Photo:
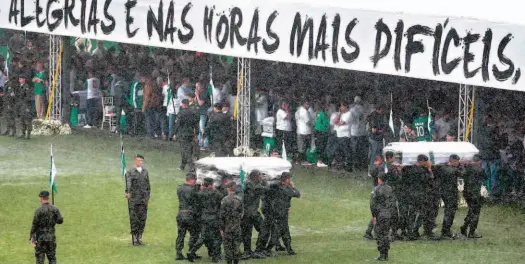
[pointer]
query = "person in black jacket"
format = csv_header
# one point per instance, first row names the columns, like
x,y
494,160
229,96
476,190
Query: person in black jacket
x,y
254,188
43,230
448,188
218,130
186,131
415,180
187,218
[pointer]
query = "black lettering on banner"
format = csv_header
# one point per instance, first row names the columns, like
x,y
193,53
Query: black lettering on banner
x,y
300,30
516,76
469,56
208,22
83,16
185,38
235,25
129,19
56,14
381,29
223,23
13,12
487,42
506,74
156,22
336,24
438,35
39,10
352,56
253,37
400,28
68,13
107,29
170,29
25,20
448,67
271,48
320,44
93,20
412,46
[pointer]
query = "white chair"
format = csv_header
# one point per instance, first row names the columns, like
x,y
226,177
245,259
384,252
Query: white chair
x,y
108,114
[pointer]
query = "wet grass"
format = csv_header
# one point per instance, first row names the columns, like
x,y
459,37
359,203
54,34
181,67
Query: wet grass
x,y
327,223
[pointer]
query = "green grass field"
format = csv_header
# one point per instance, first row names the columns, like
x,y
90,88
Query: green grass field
x,y
327,222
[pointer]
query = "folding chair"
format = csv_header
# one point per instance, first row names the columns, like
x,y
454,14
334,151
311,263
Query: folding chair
x,y
108,114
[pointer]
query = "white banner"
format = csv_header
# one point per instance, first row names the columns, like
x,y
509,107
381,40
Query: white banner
x,y
438,48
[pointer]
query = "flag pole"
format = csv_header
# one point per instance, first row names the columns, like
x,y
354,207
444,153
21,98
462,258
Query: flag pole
x,y
125,183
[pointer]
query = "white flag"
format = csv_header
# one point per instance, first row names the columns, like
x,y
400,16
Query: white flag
x,y
283,154
391,120
53,172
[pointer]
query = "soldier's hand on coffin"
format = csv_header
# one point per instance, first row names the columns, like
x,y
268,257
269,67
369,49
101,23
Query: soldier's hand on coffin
x,y
374,220
127,196
222,234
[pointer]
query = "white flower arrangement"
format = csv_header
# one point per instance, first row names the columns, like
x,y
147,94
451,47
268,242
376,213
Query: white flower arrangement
x,y
50,127
243,150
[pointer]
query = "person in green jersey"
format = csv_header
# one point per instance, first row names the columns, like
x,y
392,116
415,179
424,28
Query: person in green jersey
x,y
423,127
321,133
40,81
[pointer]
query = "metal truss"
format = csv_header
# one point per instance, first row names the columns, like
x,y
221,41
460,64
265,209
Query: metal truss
x,y
243,114
55,54
466,108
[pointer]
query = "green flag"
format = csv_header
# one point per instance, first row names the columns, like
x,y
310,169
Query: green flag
x,y
52,173
122,157
243,174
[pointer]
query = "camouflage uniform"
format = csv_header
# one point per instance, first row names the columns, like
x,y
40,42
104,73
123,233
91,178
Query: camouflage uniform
x,y
230,223
138,189
10,110
43,232
382,205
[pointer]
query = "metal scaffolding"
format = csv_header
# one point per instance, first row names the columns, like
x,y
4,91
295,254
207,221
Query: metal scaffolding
x,y
467,98
55,53
243,99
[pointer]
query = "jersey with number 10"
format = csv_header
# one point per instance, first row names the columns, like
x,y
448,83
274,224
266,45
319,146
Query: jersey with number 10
x,y
421,128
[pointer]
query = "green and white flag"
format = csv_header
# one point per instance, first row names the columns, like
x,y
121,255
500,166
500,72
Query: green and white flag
x,y
243,175
391,120
210,89
122,158
53,172
283,152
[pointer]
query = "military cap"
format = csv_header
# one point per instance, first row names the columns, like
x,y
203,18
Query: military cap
x,y
139,156
217,105
44,194
285,176
208,181
421,158
185,101
191,175
228,176
476,158
454,157
25,74
231,185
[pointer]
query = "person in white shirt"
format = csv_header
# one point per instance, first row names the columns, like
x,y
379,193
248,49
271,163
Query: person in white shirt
x,y
261,109
304,119
172,106
443,126
185,90
342,129
93,100
358,134
283,127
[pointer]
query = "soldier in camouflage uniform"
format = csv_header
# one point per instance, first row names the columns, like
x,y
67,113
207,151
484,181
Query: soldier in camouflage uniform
x,y
10,99
209,204
230,224
474,178
282,203
382,205
187,218
137,193
254,188
43,230
25,97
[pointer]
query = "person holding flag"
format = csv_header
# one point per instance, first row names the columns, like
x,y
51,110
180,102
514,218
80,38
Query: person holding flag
x,y
42,234
138,194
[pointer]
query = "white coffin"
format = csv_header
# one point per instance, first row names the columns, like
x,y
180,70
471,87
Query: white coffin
x,y
439,152
270,166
